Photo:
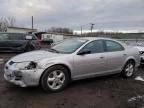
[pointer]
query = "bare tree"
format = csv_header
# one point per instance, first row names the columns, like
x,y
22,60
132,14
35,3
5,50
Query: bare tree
x,y
6,22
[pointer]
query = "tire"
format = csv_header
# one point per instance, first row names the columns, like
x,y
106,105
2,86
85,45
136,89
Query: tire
x,y
55,79
128,70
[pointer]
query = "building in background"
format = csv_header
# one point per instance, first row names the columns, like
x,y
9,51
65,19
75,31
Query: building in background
x,y
20,30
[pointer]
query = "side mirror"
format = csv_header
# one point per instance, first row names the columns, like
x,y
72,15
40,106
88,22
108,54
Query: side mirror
x,y
83,52
28,37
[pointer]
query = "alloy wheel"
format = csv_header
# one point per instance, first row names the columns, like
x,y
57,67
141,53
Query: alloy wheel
x,y
56,79
129,69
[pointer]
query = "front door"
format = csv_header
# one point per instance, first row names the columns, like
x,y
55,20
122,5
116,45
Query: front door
x,y
90,64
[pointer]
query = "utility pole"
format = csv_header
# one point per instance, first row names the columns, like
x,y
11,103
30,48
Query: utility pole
x,y
32,23
81,30
92,26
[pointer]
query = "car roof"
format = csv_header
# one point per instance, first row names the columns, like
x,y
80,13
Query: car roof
x,y
11,33
102,38
15,33
95,38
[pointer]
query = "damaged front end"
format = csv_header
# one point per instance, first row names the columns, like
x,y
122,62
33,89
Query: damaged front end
x,y
23,73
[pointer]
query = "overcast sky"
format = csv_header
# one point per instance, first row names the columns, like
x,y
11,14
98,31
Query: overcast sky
x,y
106,14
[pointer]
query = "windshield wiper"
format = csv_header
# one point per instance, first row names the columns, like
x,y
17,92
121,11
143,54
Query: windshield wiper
x,y
53,50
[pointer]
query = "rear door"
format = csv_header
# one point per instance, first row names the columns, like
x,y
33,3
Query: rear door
x,y
17,41
115,54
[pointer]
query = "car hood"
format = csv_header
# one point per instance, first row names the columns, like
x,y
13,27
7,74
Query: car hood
x,y
34,56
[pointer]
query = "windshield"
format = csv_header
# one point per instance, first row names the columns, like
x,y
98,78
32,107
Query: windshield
x,y
68,46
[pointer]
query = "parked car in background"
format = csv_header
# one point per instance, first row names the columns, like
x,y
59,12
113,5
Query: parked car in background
x,y
72,59
140,47
18,42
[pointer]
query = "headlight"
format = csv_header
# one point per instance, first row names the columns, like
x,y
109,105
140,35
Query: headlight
x,y
26,65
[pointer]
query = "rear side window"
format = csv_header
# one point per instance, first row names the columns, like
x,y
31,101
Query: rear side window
x,y
4,36
12,36
16,36
112,46
95,46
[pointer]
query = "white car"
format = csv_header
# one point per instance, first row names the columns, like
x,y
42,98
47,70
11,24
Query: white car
x,y
72,59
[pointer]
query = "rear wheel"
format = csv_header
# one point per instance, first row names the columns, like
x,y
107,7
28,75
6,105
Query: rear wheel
x,y
129,69
55,79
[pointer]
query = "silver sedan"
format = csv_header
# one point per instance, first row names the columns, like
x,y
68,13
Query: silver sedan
x,y
69,60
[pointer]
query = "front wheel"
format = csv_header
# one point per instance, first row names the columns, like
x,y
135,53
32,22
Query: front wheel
x,y
55,79
129,69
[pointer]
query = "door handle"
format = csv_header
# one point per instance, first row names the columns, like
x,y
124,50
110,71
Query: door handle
x,y
125,54
101,57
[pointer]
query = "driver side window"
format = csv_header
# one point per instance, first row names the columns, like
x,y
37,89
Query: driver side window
x,y
95,46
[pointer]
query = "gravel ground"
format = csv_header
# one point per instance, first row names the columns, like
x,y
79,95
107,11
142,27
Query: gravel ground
x,y
101,92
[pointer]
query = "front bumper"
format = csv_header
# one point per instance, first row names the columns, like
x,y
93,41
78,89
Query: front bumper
x,y
22,78
12,80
